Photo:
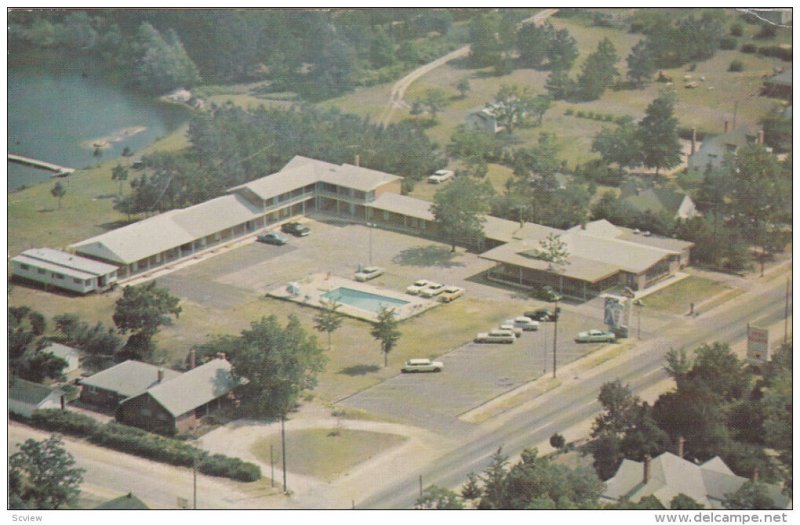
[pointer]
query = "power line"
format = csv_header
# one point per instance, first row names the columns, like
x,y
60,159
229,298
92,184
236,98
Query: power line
x,y
755,14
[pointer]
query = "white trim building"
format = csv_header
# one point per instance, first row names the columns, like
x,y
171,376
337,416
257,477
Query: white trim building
x,y
63,270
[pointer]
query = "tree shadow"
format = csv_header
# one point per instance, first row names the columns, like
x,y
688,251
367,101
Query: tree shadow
x,y
359,370
46,210
427,256
114,225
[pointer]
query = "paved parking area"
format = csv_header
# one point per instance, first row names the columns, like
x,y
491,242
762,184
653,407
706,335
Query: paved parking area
x,y
473,374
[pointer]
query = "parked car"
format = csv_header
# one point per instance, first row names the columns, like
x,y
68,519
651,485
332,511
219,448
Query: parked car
x,y
451,293
273,238
511,328
417,287
296,229
595,336
441,176
543,314
525,323
432,290
496,336
422,365
367,273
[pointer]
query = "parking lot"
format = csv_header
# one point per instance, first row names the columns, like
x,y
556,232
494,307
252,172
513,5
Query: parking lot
x,y
237,281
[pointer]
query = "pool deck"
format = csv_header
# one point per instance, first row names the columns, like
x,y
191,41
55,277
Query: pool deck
x,y
314,286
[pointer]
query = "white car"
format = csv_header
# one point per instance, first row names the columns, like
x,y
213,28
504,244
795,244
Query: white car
x,y
511,328
422,365
496,336
370,272
417,287
451,293
432,290
526,323
441,176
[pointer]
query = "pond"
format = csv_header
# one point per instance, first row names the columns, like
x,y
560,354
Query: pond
x,y
72,115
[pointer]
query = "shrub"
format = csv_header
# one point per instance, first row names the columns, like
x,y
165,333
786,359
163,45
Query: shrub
x,y
767,31
783,53
608,118
141,443
737,29
64,421
736,65
727,42
569,111
748,48
234,468
621,119
580,114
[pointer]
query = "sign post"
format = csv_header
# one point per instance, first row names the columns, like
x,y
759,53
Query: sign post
x,y
757,345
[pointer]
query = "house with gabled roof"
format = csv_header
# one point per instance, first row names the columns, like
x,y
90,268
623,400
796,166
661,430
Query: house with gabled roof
x,y
108,388
713,150
672,203
668,475
176,405
25,397
63,270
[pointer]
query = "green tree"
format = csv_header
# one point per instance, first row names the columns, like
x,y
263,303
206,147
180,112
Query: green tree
x,y
485,47
381,53
752,495
493,480
717,367
439,498
532,44
557,441
619,405
619,146
562,51
58,191
142,310
279,364
329,319
559,85
471,489
599,71
606,449
435,100
386,331
463,87
554,250
460,210
540,105
333,71
120,174
42,476
684,502
641,65
659,133
163,64
512,106
777,130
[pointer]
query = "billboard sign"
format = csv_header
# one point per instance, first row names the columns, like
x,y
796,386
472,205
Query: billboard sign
x,y
757,345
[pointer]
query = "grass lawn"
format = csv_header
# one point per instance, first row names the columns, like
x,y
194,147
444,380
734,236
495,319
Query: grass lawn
x,y
325,453
678,297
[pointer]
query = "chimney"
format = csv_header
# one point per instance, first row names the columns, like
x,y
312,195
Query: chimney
x,y
192,358
726,125
755,474
63,403
646,473
681,442
160,375
694,140
761,137
358,159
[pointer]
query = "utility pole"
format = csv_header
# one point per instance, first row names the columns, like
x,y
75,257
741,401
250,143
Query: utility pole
x,y
544,350
271,467
420,485
786,311
555,331
194,482
370,226
283,449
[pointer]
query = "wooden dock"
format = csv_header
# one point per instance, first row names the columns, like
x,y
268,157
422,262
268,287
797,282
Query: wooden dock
x,y
55,168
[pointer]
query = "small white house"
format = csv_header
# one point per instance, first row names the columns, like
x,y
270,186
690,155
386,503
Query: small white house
x,y
64,270
25,397
483,120
68,354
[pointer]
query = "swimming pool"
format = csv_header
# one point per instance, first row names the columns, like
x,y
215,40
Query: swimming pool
x,y
363,300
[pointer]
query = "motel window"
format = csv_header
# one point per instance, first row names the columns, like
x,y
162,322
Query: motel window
x,y
42,271
77,281
87,282
58,276
359,195
24,266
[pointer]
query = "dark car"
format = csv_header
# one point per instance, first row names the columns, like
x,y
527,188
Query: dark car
x,y
272,238
543,314
296,229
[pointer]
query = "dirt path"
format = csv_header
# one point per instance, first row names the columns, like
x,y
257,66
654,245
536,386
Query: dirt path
x,y
400,87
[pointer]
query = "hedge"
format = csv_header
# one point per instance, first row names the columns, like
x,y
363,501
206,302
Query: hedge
x,y
136,441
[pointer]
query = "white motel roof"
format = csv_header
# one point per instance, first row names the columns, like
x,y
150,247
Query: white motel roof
x,y
302,171
129,378
64,263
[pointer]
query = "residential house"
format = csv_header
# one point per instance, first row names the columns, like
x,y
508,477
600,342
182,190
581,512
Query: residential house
x,y
68,354
483,119
668,475
107,389
659,201
176,405
25,397
774,15
714,149
127,502
63,270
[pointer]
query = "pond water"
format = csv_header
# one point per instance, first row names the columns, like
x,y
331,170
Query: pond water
x,y
64,114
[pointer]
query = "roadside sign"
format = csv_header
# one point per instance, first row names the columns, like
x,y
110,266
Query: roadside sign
x,y
183,503
757,345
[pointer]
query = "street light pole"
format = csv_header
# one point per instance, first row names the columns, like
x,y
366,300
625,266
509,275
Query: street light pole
x,y
555,332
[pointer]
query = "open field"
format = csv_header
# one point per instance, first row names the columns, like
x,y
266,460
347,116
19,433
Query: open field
x,y
325,453
678,297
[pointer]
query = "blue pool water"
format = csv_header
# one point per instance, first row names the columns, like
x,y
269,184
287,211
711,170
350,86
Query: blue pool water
x,y
363,300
